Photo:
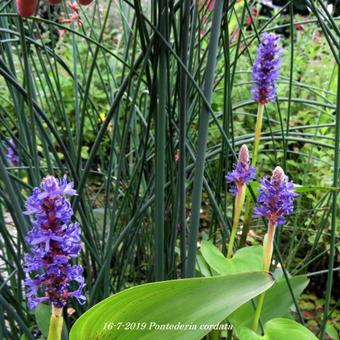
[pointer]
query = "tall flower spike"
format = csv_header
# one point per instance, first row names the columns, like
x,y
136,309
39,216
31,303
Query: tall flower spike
x,y
274,202
276,198
240,176
266,69
242,172
54,241
11,154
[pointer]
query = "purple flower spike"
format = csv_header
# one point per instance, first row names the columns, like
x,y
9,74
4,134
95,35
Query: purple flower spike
x,y
242,173
54,241
276,198
12,155
266,69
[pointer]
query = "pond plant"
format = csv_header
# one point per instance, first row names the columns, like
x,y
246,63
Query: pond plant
x,y
133,139
53,242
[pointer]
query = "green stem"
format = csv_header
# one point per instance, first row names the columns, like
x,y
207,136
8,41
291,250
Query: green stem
x,y
247,216
239,200
258,312
214,335
268,244
267,257
257,138
56,324
160,149
182,103
202,138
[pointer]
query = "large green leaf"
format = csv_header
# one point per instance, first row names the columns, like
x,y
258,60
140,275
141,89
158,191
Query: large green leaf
x,y
278,329
278,298
277,302
196,302
244,260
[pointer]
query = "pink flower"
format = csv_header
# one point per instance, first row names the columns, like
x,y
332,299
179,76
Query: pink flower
x,y
211,4
72,17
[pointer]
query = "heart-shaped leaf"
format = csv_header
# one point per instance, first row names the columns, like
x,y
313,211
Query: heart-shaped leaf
x,y
277,329
245,260
136,312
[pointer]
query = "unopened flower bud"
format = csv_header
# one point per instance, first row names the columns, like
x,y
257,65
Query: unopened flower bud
x,y
278,176
243,155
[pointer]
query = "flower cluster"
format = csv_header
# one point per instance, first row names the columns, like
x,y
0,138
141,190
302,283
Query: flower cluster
x,y
242,172
276,198
11,154
266,69
74,16
27,8
54,241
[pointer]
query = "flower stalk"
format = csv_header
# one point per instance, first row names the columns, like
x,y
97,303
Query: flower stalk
x,y
56,324
239,201
240,176
257,135
268,243
274,202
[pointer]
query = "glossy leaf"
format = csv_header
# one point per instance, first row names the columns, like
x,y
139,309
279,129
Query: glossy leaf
x,y
278,298
202,266
277,329
198,301
244,260
332,332
277,302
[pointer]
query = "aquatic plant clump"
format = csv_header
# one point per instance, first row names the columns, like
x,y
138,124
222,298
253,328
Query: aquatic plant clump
x,y
266,69
54,241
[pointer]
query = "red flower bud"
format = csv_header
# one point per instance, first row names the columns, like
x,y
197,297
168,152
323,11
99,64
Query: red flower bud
x,y
26,8
85,2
